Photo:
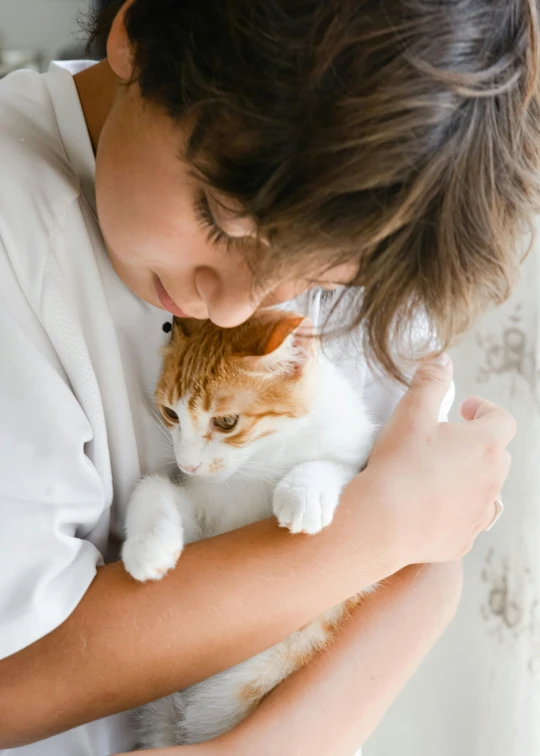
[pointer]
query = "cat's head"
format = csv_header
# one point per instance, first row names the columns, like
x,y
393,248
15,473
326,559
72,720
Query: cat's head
x,y
224,393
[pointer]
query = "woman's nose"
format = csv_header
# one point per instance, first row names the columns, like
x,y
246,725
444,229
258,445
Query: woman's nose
x,y
229,301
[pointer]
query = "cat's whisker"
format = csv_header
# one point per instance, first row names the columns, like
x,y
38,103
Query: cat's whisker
x,y
259,474
258,468
159,422
255,466
254,476
257,463
170,458
150,403
262,469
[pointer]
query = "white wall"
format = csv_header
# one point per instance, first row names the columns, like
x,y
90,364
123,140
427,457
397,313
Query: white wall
x,y
46,25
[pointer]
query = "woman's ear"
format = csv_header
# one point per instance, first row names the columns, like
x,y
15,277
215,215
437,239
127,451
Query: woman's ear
x,y
119,48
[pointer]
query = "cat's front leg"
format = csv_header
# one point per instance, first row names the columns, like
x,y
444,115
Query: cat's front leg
x,y
307,497
159,520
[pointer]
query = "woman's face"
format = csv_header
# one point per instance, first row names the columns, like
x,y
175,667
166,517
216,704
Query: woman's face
x,y
158,224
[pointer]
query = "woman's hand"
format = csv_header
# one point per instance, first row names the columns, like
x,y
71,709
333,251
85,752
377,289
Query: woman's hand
x,y
438,481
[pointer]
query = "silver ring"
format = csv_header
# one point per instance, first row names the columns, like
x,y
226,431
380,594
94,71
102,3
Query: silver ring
x,y
499,509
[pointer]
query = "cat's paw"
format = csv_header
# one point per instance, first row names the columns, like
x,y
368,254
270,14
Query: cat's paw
x,y
306,499
154,529
152,555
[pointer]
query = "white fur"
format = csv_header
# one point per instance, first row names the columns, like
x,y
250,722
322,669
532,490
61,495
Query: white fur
x,y
297,473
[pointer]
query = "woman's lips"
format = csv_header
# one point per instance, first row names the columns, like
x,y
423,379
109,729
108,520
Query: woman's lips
x,y
166,301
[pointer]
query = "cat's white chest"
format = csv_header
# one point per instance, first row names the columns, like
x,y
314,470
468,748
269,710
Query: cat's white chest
x,y
231,504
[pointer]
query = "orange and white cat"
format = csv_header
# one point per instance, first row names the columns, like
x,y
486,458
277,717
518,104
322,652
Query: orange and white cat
x,y
262,423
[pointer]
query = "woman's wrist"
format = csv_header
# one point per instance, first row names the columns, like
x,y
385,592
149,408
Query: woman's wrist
x,y
376,524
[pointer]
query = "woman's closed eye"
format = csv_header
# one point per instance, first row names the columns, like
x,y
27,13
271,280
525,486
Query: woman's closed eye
x,y
216,235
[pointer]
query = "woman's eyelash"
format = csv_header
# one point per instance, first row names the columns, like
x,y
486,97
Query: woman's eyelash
x,y
215,234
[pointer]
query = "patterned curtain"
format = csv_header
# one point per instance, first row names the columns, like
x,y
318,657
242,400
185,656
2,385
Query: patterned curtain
x,y
478,693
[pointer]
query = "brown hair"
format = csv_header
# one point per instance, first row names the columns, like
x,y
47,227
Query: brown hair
x,y
399,134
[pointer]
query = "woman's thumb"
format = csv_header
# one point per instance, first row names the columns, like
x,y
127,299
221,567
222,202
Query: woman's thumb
x,y
428,387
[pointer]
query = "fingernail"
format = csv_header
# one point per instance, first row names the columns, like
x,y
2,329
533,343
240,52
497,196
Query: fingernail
x,y
442,359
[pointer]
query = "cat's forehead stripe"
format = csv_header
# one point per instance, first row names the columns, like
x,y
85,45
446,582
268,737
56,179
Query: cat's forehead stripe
x,y
253,428
223,405
270,413
248,436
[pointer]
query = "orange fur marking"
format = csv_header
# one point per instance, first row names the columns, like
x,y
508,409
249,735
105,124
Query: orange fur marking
x,y
252,694
295,656
348,606
216,465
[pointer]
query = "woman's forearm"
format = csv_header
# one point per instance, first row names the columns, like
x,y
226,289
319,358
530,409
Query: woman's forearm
x,y
332,706
227,599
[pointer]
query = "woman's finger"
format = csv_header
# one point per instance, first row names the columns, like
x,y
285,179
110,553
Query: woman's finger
x,y
493,420
428,388
471,405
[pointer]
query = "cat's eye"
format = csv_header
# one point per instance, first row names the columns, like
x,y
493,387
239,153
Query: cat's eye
x,y
171,414
226,423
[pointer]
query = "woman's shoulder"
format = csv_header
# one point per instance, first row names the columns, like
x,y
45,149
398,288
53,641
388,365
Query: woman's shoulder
x,y
31,144
37,182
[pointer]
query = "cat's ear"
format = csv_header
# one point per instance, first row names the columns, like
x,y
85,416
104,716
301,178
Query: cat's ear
x,y
286,347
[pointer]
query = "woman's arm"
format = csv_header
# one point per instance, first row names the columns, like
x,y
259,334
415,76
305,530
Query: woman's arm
x,y
228,598
425,495
332,706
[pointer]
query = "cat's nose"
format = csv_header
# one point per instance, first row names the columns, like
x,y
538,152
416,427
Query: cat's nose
x,y
188,469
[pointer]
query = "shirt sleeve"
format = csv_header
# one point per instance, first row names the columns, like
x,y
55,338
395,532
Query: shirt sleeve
x,y
52,501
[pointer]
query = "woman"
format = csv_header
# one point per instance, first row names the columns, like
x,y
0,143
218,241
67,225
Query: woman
x,y
224,157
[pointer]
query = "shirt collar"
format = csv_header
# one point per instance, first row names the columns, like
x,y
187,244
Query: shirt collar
x,y
72,124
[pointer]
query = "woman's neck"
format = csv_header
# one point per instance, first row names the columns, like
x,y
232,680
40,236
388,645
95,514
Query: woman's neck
x,y
97,87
